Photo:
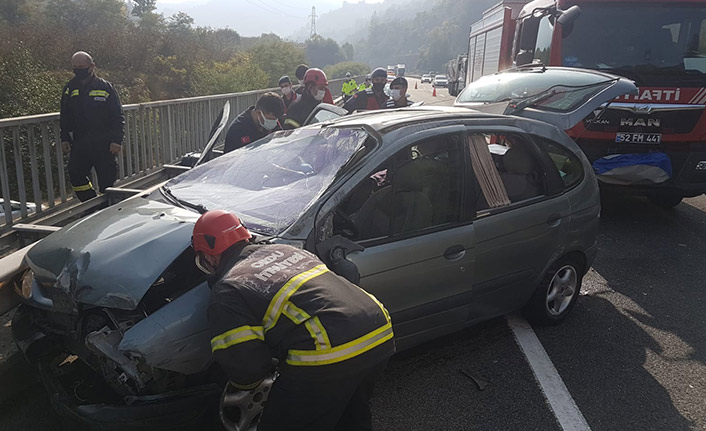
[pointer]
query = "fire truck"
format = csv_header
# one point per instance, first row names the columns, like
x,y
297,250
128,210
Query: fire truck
x,y
652,143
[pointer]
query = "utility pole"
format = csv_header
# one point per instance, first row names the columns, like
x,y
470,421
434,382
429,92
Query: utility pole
x,y
313,22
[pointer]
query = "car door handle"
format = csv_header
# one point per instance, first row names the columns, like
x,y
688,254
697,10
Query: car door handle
x,y
554,220
455,252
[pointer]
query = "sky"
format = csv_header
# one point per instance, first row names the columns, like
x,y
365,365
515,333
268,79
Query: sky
x,y
252,17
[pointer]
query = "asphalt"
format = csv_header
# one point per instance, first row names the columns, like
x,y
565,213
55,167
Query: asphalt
x,y
632,354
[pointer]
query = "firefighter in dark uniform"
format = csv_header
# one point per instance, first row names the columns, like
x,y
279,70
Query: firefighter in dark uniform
x,y
371,98
300,72
255,122
315,88
332,339
398,94
91,127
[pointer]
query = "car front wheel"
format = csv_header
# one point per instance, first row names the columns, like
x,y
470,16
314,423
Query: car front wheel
x,y
556,295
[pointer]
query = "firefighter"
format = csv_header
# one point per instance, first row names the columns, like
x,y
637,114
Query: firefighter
x,y
300,73
330,338
372,98
366,84
315,88
288,94
255,122
349,87
92,124
398,94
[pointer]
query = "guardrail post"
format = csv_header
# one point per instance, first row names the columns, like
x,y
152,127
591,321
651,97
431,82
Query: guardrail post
x,y
37,194
4,179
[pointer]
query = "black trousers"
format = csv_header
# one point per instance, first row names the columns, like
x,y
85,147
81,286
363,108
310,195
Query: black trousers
x,y
84,157
341,403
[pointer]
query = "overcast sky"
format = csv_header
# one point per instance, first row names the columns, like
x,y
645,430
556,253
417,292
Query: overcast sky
x,y
253,17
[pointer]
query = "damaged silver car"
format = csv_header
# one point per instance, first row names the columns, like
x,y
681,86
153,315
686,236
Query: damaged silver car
x,y
447,215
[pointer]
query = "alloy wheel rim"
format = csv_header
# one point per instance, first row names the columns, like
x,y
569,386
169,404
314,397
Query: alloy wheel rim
x,y
562,289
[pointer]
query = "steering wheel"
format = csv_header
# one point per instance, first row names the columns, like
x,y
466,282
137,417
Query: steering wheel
x,y
350,230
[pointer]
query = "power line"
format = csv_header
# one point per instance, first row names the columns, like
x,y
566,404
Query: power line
x,y
286,13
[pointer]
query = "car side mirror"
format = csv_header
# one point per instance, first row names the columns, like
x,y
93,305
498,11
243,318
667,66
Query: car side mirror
x,y
568,16
333,253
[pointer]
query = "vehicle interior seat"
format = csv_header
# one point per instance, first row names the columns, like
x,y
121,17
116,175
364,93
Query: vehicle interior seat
x,y
520,175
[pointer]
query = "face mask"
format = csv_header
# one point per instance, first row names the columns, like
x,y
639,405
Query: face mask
x,y
82,73
266,123
396,94
320,95
286,90
378,87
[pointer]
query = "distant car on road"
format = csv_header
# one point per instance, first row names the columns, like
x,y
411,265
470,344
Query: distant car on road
x,y
440,81
426,78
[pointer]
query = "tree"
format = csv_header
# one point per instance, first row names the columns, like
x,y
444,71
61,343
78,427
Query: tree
x,y
348,51
238,74
339,70
141,7
180,22
321,52
277,58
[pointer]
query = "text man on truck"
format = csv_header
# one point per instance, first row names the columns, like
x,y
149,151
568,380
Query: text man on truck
x,y
652,143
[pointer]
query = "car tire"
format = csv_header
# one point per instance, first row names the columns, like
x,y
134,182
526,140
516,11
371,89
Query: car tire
x,y
665,201
557,293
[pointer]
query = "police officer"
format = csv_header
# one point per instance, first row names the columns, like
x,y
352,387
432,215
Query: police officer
x,y
398,94
366,84
91,127
315,88
255,122
300,72
372,98
288,94
350,87
331,338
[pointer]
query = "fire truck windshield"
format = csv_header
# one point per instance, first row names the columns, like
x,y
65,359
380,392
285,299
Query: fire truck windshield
x,y
645,41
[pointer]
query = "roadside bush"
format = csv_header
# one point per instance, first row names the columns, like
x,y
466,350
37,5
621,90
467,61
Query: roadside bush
x,y
237,74
339,70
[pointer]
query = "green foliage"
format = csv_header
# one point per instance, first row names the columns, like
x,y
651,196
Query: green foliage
x,y
339,70
277,58
348,51
142,7
322,52
238,74
26,88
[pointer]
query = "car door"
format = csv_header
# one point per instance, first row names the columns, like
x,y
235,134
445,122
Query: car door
x,y
410,217
520,219
560,96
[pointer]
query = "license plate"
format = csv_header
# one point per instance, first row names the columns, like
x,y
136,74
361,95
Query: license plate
x,y
638,138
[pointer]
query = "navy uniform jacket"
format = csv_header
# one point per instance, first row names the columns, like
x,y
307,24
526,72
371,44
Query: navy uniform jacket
x,y
91,114
243,131
278,301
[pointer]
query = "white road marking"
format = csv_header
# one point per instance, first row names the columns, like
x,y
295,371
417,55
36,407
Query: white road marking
x,y
554,389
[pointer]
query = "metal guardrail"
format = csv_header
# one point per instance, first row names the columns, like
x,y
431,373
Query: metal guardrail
x,y
33,167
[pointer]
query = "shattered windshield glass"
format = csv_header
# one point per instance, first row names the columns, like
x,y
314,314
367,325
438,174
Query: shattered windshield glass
x,y
271,182
565,90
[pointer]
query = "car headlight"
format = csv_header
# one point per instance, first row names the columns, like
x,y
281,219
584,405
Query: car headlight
x,y
25,288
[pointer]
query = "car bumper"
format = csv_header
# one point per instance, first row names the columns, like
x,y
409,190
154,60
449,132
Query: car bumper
x,y
182,409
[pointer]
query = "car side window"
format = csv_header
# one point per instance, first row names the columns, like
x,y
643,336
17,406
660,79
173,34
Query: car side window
x,y
506,169
418,188
568,165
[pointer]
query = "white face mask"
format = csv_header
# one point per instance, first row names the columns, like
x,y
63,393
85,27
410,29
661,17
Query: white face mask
x,y
286,90
396,94
266,123
320,95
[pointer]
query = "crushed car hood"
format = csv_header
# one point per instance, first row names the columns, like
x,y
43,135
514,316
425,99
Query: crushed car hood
x,y
112,257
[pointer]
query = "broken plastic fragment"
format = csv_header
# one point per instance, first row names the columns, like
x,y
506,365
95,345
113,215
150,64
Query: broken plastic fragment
x,y
477,380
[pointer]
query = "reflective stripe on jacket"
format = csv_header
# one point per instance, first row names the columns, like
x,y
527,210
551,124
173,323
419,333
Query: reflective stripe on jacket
x,y
283,302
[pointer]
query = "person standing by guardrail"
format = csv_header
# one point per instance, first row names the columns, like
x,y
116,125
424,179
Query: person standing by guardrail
x,y
92,124
371,98
288,95
315,88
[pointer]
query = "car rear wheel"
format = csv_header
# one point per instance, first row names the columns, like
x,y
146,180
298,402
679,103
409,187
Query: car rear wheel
x,y
557,294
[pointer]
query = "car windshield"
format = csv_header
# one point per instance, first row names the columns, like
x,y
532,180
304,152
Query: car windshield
x,y
565,90
643,41
440,77
271,182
